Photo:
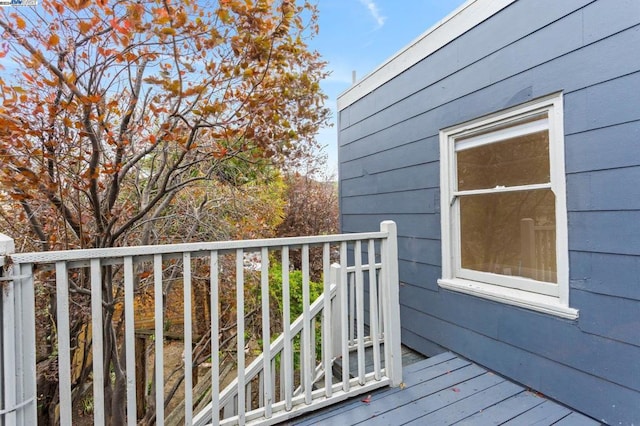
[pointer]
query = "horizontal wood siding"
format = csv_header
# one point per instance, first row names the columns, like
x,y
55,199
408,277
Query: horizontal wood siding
x,y
389,169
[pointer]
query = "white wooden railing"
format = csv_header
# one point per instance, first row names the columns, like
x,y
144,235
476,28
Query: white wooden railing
x,y
294,374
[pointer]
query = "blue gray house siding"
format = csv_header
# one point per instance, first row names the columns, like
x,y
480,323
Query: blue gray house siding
x,y
389,169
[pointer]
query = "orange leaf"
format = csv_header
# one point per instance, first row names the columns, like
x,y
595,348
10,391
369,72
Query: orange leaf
x,y
93,98
20,23
152,139
84,26
54,40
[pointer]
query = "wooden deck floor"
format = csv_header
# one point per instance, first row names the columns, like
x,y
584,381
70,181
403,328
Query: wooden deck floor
x,y
445,390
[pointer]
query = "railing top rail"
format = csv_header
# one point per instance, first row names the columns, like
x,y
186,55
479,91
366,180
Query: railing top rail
x,y
220,246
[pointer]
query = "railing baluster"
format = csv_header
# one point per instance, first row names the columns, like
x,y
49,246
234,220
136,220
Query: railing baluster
x,y
248,390
381,273
96,339
286,320
159,336
301,370
359,296
64,342
130,345
327,350
28,414
312,349
19,348
373,309
274,371
265,389
229,409
352,308
344,316
240,333
306,329
261,385
215,348
188,348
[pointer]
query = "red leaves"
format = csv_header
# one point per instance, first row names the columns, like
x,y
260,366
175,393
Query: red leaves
x,y
367,400
456,390
220,153
4,49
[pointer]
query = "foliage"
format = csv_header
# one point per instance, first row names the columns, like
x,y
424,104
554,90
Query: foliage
x,y
137,123
295,302
311,209
295,290
151,96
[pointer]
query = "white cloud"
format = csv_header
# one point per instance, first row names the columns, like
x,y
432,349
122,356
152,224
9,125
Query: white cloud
x,y
374,11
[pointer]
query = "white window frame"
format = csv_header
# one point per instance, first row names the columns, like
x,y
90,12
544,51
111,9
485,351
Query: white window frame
x,y
518,291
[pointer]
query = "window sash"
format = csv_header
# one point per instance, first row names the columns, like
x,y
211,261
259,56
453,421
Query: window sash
x,y
510,281
503,134
461,137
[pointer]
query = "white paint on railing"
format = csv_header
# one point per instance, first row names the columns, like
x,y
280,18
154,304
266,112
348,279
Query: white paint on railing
x,y
159,337
327,339
359,298
130,339
391,304
266,384
352,306
240,334
196,249
373,308
28,321
64,343
286,321
188,338
344,317
215,342
97,343
340,311
306,346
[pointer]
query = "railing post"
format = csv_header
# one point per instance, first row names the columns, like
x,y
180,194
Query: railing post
x,y
17,355
391,291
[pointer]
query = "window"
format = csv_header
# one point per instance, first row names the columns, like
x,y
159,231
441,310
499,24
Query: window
x,y
504,218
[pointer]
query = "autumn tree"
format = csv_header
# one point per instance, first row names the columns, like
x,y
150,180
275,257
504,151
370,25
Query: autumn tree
x,y
111,110
311,208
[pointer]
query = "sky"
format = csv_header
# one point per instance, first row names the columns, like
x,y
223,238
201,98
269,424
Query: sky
x,y
359,35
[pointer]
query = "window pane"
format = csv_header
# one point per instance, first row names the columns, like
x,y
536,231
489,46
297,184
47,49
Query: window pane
x,y
517,161
510,233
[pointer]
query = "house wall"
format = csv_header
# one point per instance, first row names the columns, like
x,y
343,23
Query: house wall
x,y
389,169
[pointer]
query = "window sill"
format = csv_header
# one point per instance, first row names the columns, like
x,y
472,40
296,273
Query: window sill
x,y
523,299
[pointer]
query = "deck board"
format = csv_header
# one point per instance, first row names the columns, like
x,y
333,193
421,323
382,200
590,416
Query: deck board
x,y
544,414
576,419
431,403
465,407
444,390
